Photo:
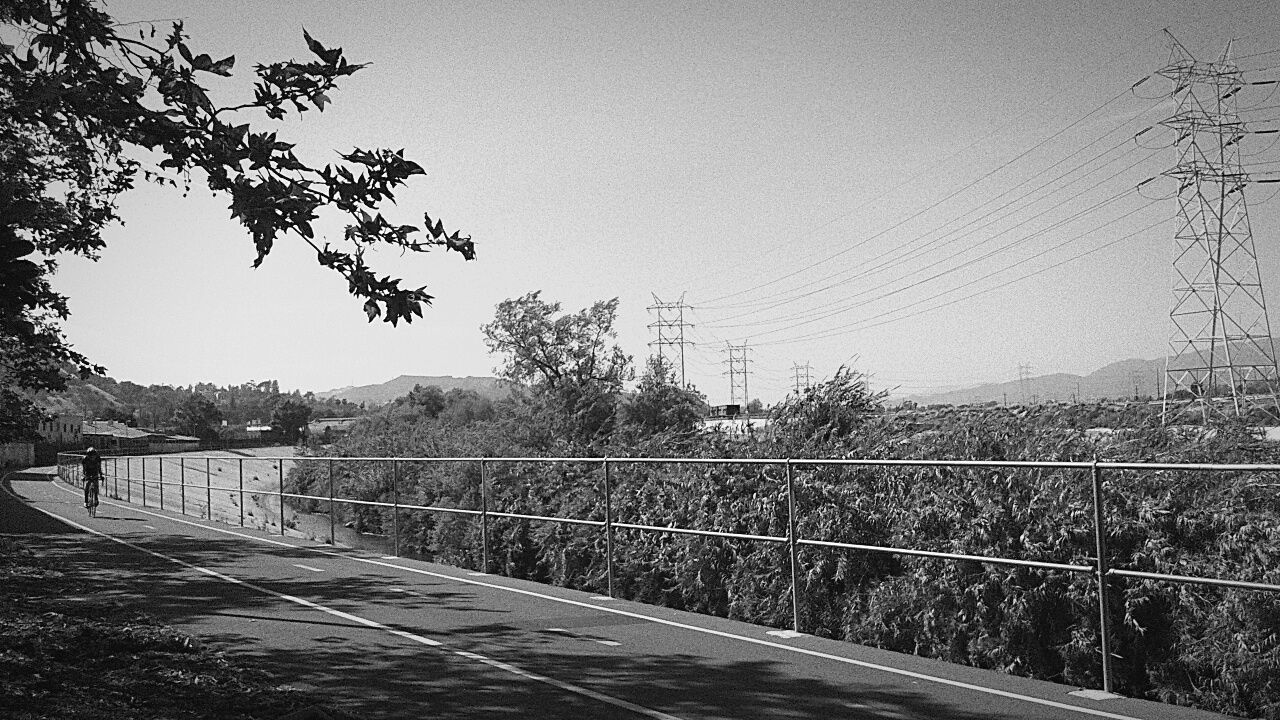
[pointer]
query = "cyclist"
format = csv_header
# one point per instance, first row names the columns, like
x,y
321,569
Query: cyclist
x,y
92,464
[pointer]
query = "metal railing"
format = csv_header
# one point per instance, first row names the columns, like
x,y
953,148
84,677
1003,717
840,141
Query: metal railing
x,y
1100,569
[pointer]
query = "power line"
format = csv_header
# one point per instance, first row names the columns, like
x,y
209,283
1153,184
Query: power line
x,y
862,271
959,254
866,323
962,189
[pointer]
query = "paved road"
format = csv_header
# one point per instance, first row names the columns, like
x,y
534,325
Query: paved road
x,y
391,637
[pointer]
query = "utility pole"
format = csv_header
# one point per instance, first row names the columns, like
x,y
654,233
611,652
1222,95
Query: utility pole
x,y
670,326
1024,378
1221,343
737,362
796,370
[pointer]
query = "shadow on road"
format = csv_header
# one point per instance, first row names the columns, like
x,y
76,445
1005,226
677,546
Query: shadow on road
x,y
371,673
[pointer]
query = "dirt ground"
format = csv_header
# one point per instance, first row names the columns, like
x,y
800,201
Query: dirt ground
x,y
238,486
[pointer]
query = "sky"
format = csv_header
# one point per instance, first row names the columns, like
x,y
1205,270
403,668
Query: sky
x,y
931,192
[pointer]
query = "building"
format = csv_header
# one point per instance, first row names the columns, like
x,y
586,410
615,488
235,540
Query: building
x,y
109,436
63,431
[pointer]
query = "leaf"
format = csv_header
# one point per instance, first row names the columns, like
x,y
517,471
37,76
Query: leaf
x,y
223,66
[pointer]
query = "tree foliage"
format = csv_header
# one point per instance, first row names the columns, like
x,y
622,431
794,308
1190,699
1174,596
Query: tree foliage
x,y
198,416
570,363
82,98
289,419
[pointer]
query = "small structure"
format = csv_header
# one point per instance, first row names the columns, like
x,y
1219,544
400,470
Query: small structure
x,y
725,411
62,431
115,437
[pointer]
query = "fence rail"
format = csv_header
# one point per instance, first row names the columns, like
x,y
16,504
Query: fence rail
x,y
1102,572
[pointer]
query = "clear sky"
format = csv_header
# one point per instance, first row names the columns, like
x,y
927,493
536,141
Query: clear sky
x,y
823,180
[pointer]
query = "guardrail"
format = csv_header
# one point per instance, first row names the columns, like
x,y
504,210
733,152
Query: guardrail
x,y
69,470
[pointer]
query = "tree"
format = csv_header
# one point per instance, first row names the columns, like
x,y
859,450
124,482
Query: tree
x,y
80,96
567,360
198,416
289,419
428,400
660,406
827,412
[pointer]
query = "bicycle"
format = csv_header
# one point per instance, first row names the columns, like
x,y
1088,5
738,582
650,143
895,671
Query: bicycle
x,y
91,496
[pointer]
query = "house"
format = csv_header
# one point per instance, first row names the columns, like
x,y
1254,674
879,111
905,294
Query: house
x,y
62,431
109,436
332,426
173,443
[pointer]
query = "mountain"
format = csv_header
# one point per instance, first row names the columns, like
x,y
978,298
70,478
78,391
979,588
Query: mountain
x,y
489,387
1117,381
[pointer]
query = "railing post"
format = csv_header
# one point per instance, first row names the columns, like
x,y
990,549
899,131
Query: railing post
x,y
144,481
280,466
160,482
182,484
608,525
128,480
115,477
332,529
395,507
241,484
1100,546
791,546
208,489
484,519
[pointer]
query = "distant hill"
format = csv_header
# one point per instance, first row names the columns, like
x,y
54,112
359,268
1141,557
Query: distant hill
x,y
1117,381
489,387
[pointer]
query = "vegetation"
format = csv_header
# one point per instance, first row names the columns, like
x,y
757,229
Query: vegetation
x,y
197,410
1214,648
83,97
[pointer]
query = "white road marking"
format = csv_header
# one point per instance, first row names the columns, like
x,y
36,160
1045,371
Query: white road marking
x,y
507,667
149,527
610,643
307,567
787,634
477,574
390,557
671,623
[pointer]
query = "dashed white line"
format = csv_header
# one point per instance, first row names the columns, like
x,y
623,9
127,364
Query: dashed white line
x,y
307,567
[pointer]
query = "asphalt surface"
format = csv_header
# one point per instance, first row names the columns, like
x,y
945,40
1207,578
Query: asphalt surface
x,y
390,638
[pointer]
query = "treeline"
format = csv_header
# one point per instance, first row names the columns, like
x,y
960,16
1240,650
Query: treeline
x,y
201,409
1214,648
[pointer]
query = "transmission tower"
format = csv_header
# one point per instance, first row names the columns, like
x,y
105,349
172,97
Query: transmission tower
x,y
737,362
801,375
1024,378
670,327
1223,358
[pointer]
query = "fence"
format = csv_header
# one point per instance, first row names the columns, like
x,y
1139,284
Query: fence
x,y
1100,570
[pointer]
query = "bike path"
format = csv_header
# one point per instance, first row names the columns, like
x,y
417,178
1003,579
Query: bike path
x,y
394,637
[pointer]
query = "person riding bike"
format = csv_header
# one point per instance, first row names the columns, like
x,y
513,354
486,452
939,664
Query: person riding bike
x,y
92,464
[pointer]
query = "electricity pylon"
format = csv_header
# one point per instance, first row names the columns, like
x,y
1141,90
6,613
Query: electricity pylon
x,y
737,362
801,375
1223,359
670,326
1024,377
